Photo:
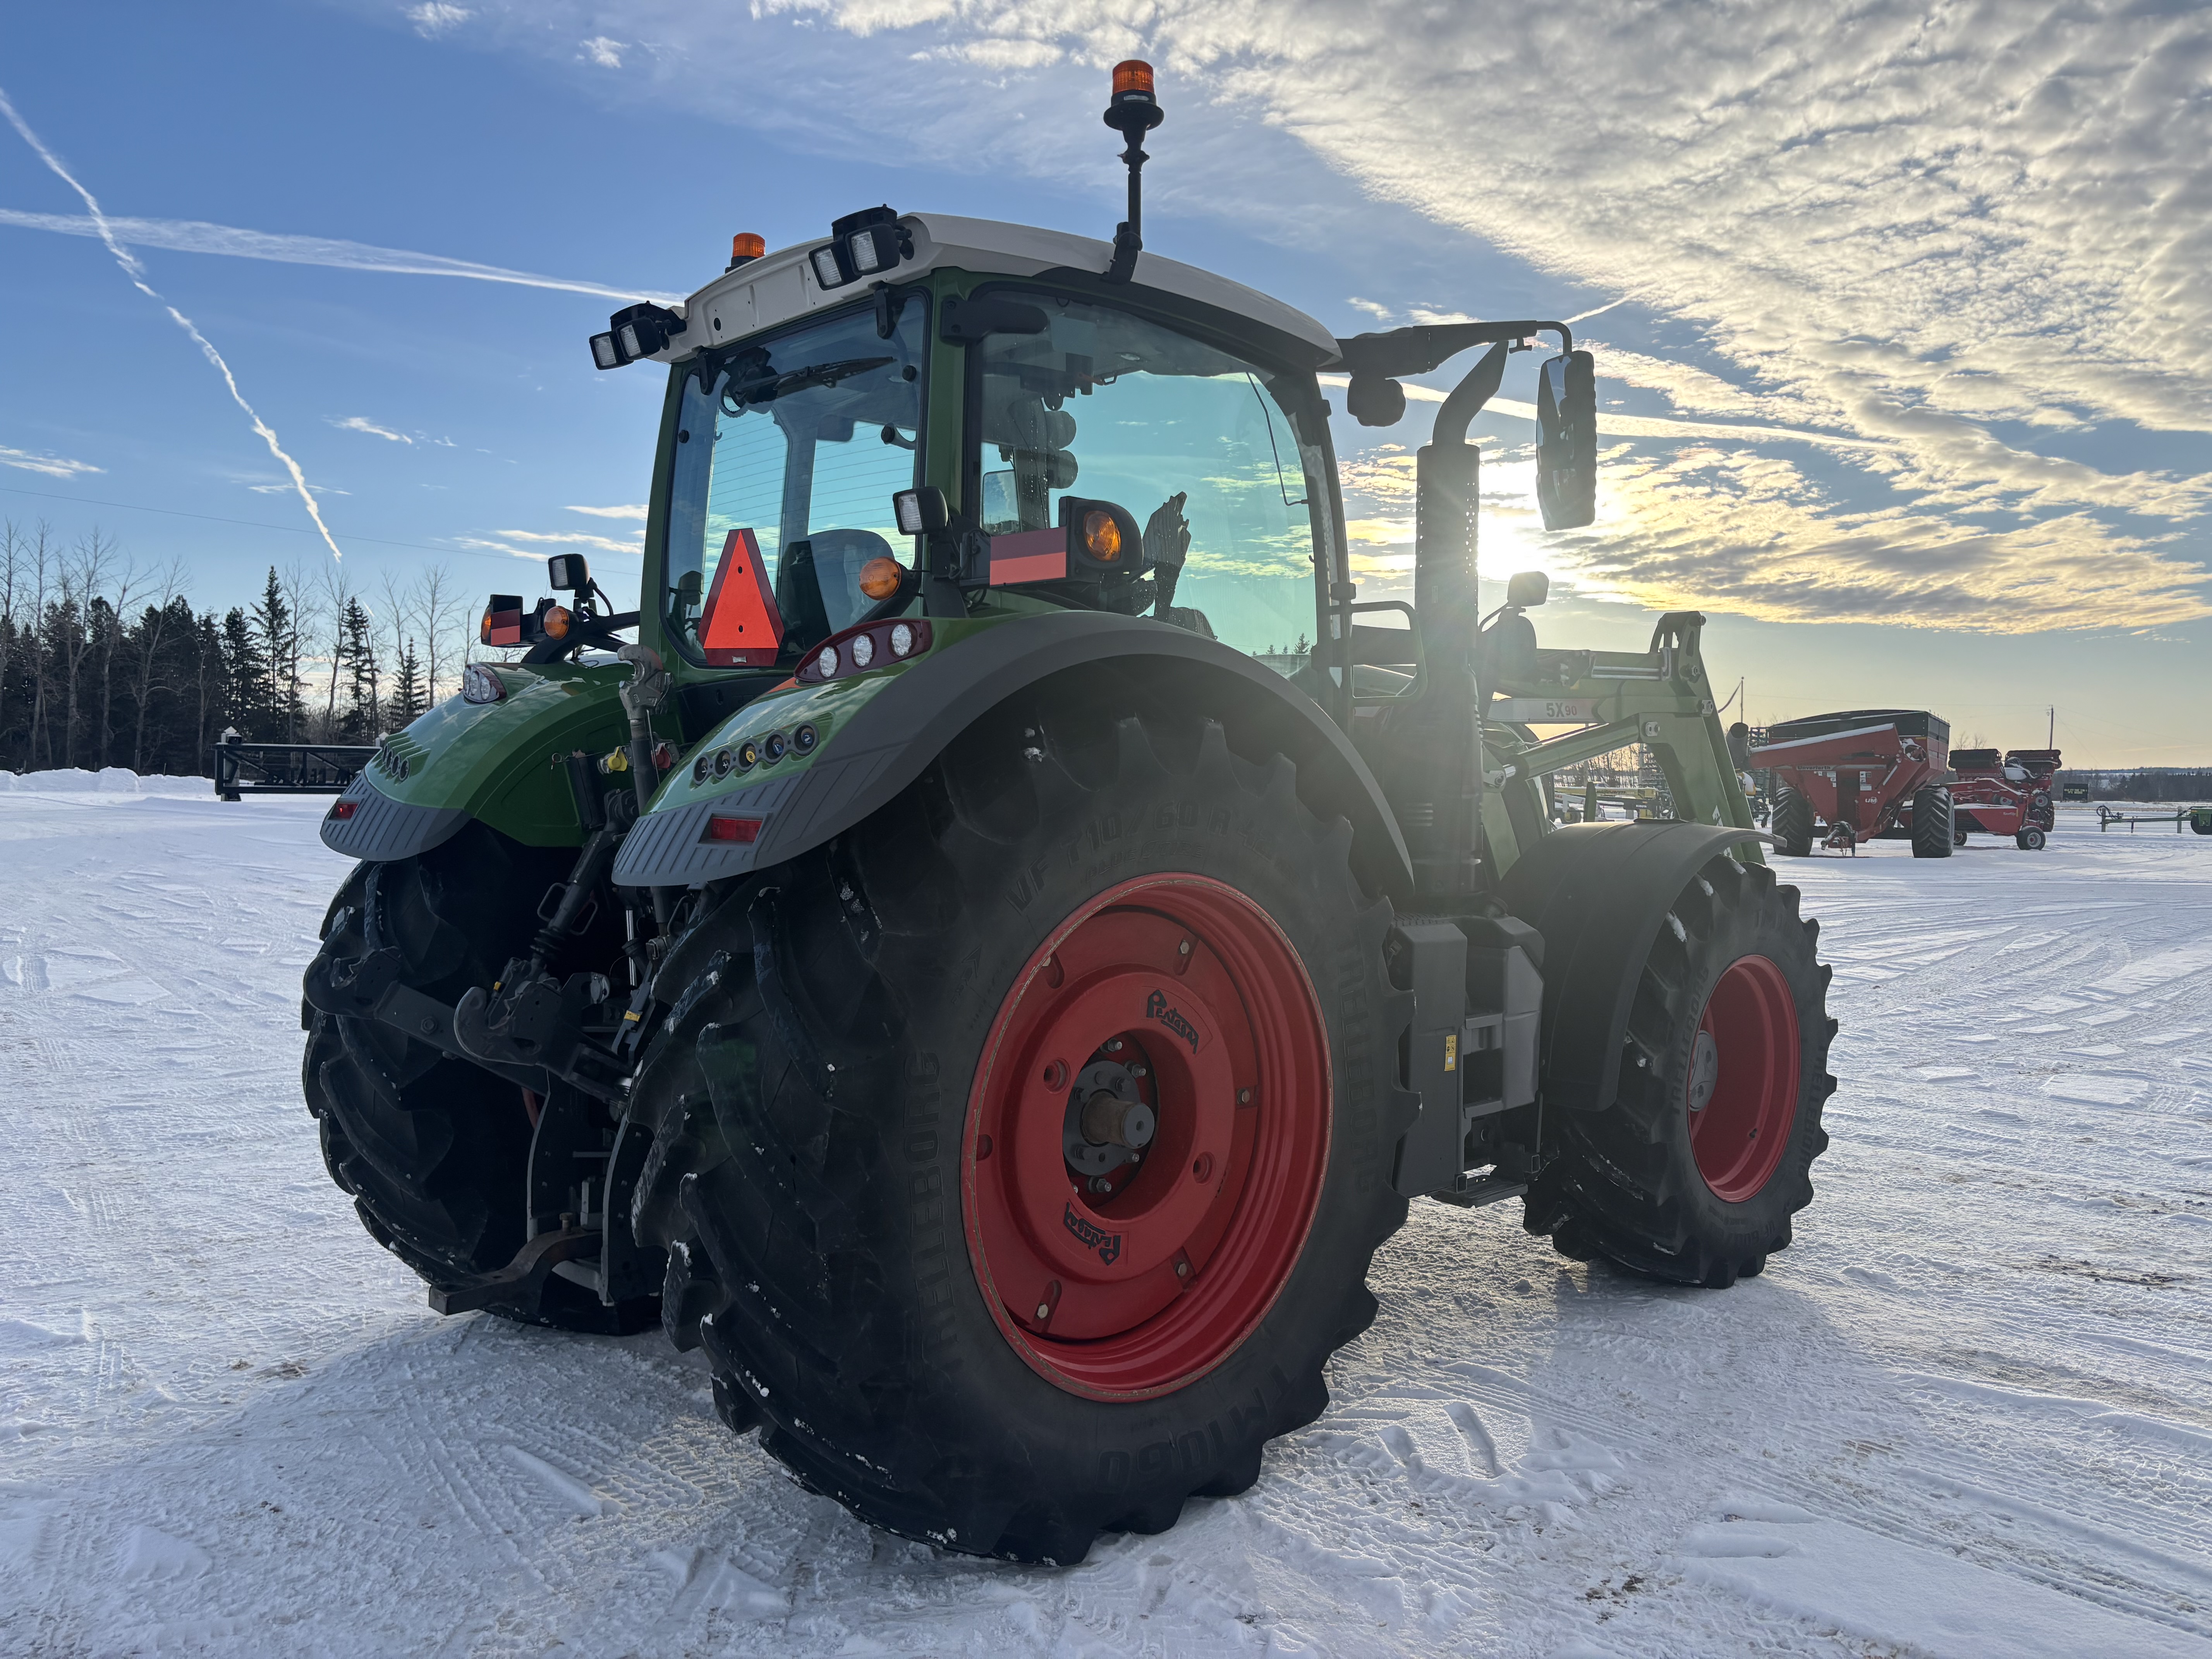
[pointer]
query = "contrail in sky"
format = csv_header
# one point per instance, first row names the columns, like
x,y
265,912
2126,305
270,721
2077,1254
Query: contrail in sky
x,y
198,236
136,273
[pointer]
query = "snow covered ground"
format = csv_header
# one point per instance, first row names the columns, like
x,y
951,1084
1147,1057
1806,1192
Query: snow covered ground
x,y
1970,1413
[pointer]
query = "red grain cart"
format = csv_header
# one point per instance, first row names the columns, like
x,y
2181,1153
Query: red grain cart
x,y
1847,777
2008,796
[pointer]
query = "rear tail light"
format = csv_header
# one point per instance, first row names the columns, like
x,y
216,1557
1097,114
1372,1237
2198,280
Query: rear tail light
x,y
342,810
723,827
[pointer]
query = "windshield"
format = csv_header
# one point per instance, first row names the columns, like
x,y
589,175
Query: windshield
x,y
1192,440
788,450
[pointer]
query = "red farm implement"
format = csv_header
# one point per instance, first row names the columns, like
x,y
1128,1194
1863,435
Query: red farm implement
x,y
1843,778
2009,796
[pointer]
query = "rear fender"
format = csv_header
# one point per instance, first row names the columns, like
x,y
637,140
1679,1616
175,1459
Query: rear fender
x,y
490,760
878,733
1599,893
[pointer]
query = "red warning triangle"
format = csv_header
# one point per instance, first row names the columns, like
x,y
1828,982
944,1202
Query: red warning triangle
x,y
741,623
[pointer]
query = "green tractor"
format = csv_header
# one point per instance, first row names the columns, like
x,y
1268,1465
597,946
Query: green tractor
x,y
958,967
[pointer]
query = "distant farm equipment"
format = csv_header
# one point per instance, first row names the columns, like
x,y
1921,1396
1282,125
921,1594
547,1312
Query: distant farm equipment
x,y
2198,819
243,769
1847,777
2000,796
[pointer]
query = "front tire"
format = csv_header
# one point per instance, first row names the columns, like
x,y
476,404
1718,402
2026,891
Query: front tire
x,y
2029,840
1933,834
880,1230
1694,1171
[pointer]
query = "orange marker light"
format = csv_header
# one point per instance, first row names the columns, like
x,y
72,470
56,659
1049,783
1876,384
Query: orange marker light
x,y
880,578
746,245
555,623
1102,537
1133,76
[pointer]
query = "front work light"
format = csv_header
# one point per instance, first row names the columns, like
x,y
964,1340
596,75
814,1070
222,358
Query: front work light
x,y
860,244
480,685
921,512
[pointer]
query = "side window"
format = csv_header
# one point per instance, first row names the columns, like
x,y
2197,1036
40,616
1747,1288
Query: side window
x,y
1189,439
789,450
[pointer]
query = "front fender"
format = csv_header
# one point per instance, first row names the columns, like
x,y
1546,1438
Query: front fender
x,y
492,761
876,733
1599,894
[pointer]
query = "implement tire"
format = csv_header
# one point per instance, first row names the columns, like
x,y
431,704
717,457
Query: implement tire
x,y
434,1151
1792,823
1932,836
1693,1171
865,1103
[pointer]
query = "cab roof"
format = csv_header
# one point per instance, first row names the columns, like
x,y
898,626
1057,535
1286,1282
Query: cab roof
x,y
781,286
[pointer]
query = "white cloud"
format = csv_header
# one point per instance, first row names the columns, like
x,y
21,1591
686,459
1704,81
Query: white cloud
x,y
606,53
555,538
637,512
196,236
1966,250
54,466
363,424
436,18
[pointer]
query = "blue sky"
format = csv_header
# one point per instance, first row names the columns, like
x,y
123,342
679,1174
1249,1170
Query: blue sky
x,y
1907,352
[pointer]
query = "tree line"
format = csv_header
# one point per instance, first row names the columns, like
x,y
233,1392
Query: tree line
x,y
105,661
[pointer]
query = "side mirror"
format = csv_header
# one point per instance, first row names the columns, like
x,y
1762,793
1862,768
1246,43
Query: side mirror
x,y
568,572
921,512
964,322
1527,589
1566,441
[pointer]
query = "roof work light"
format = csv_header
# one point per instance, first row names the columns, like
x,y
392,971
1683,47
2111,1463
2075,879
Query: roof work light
x,y
863,244
635,331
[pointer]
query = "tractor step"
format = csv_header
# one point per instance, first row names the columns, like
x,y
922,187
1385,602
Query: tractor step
x,y
518,1287
1491,1189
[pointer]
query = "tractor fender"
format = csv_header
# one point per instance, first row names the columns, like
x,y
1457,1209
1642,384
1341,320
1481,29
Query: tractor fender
x,y
1599,893
890,739
490,760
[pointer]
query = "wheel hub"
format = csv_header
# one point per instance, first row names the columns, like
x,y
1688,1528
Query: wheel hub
x,y
1147,1131
1741,1089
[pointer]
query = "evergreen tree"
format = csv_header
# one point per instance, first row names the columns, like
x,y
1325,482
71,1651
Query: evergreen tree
x,y
357,664
244,678
409,695
278,631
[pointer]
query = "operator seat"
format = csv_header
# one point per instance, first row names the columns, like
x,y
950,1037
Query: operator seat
x,y
817,586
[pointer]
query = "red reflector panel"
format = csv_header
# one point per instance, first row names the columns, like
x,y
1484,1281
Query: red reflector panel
x,y
502,620
744,831
740,623
344,809
1029,556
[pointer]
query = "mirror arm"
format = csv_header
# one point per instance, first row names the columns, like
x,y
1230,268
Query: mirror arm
x,y
1468,397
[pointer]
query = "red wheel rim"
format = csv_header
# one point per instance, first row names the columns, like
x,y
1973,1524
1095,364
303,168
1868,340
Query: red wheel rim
x,y
1139,1292
1744,1059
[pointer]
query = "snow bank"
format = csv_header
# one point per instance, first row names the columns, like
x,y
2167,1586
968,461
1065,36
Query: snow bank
x,y
109,780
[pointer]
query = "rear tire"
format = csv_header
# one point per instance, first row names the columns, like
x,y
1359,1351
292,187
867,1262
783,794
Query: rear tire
x,y
1692,1173
823,1173
1793,824
1933,833
435,1151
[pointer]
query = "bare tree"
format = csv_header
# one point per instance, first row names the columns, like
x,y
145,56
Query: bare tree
x,y
302,595
439,607
335,589
15,547
168,583
44,557
110,629
83,574
395,621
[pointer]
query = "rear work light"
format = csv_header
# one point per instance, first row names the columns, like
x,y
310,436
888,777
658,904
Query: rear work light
x,y
480,684
723,827
872,646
